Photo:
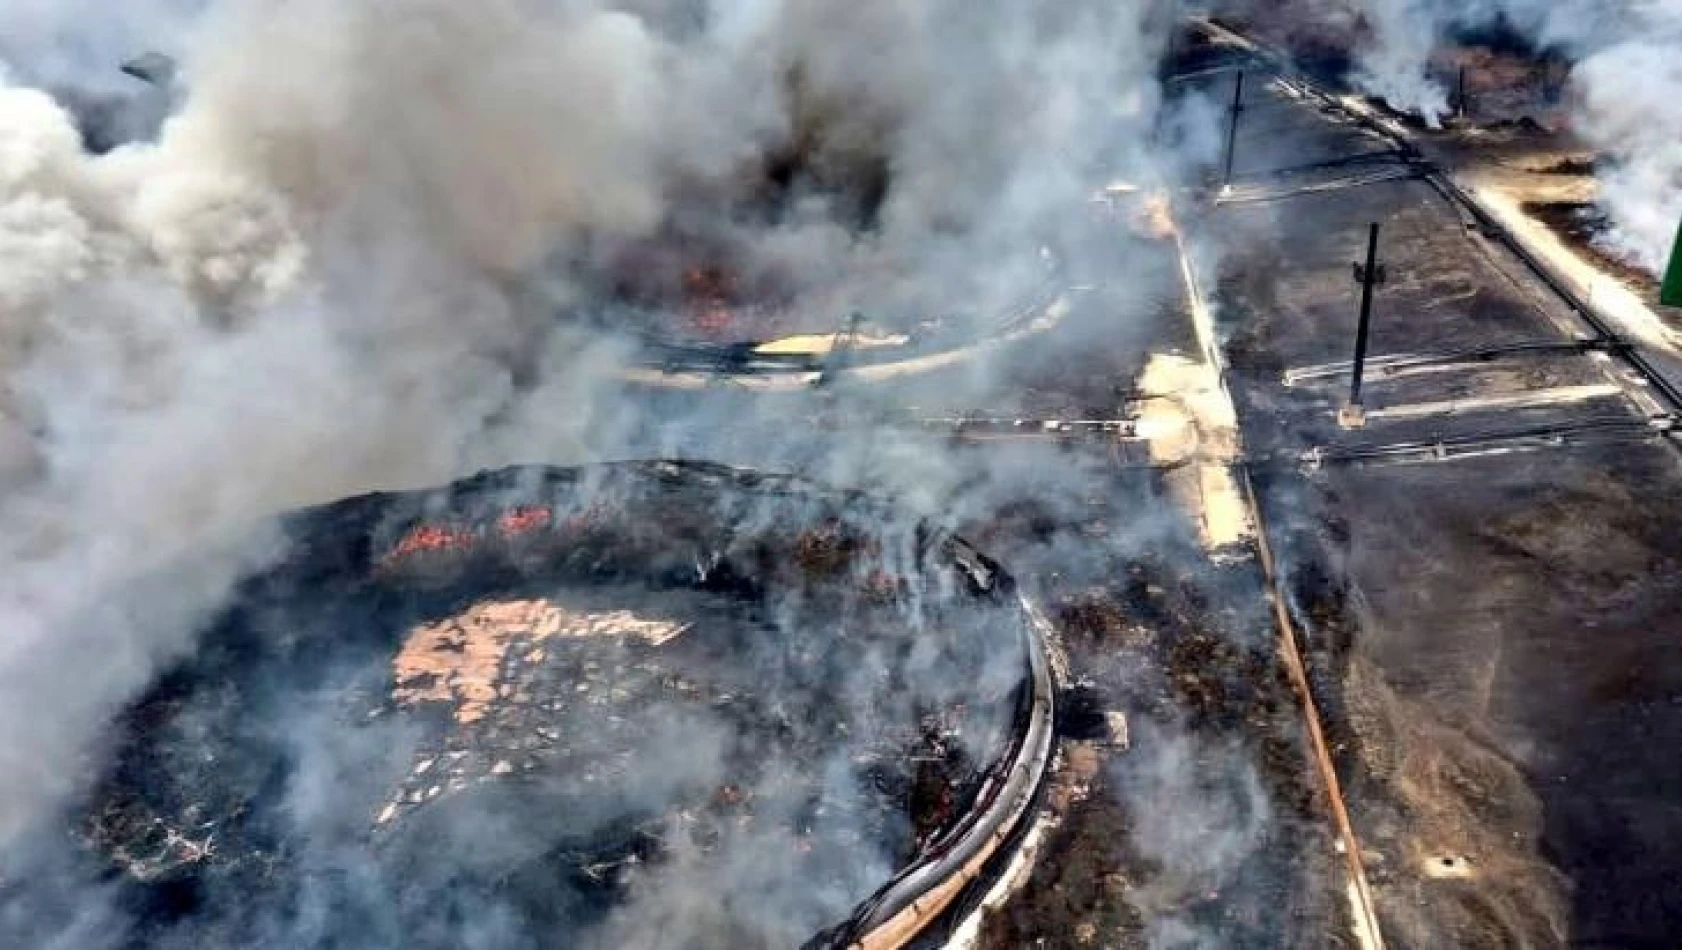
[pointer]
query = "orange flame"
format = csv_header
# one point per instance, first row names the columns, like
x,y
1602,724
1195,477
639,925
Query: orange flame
x,y
428,537
709,292
522,520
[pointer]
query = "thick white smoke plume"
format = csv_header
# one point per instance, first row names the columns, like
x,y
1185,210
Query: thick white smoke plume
x,y
1629,92
1625,77
1393,66
1393,55
274,304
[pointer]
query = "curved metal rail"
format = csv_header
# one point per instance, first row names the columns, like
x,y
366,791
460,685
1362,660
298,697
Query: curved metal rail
x,y
914,899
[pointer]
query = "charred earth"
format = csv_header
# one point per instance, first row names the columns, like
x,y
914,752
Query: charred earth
x,y
512,708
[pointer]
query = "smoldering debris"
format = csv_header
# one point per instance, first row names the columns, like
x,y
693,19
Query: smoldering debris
x,y
1191,835
841,690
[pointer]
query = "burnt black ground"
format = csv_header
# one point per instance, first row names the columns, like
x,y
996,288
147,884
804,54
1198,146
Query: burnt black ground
x,y
1212,824
1494,638
806,710
1210,828
1491,639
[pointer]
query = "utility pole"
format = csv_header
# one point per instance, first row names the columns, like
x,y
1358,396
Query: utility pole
x,y
1552,82
840,350
1368,276
1460,95
1232,126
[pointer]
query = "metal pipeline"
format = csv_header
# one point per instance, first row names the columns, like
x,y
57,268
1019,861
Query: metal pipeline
x,y
919,895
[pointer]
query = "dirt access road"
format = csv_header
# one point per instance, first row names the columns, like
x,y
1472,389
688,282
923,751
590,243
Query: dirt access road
x,y
1493,626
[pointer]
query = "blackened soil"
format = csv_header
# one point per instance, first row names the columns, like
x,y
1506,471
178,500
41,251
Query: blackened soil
x,y
1584,226
1211,720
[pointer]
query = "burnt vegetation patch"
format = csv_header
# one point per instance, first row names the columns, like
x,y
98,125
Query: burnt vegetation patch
x,y
1161,647
526,695
1586,227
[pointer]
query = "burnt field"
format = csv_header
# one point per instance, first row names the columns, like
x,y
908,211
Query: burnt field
x,y
1012,562
1185,805
497,709
704,713
1480,607
1185,808
1584,227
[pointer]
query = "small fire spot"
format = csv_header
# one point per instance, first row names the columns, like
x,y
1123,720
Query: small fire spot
x,y
430,537
523,520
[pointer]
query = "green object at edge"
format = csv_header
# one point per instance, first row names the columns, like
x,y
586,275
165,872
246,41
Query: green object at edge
x,y
1671,294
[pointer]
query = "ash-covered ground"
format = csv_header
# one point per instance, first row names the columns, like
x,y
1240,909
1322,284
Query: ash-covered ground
x,y
496,713
1479,571
442,239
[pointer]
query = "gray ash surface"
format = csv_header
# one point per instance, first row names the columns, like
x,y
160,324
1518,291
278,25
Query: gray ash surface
x,y
497,714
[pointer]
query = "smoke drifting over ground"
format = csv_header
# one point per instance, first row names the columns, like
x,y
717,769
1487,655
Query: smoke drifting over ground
x,y
337,266
1618,88
1628,95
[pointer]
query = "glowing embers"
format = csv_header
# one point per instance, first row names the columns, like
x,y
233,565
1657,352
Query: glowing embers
x,y
706,290
457,539
620,673
701,309
466,660
722,292
714,304
432,537
1148,214
518,521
